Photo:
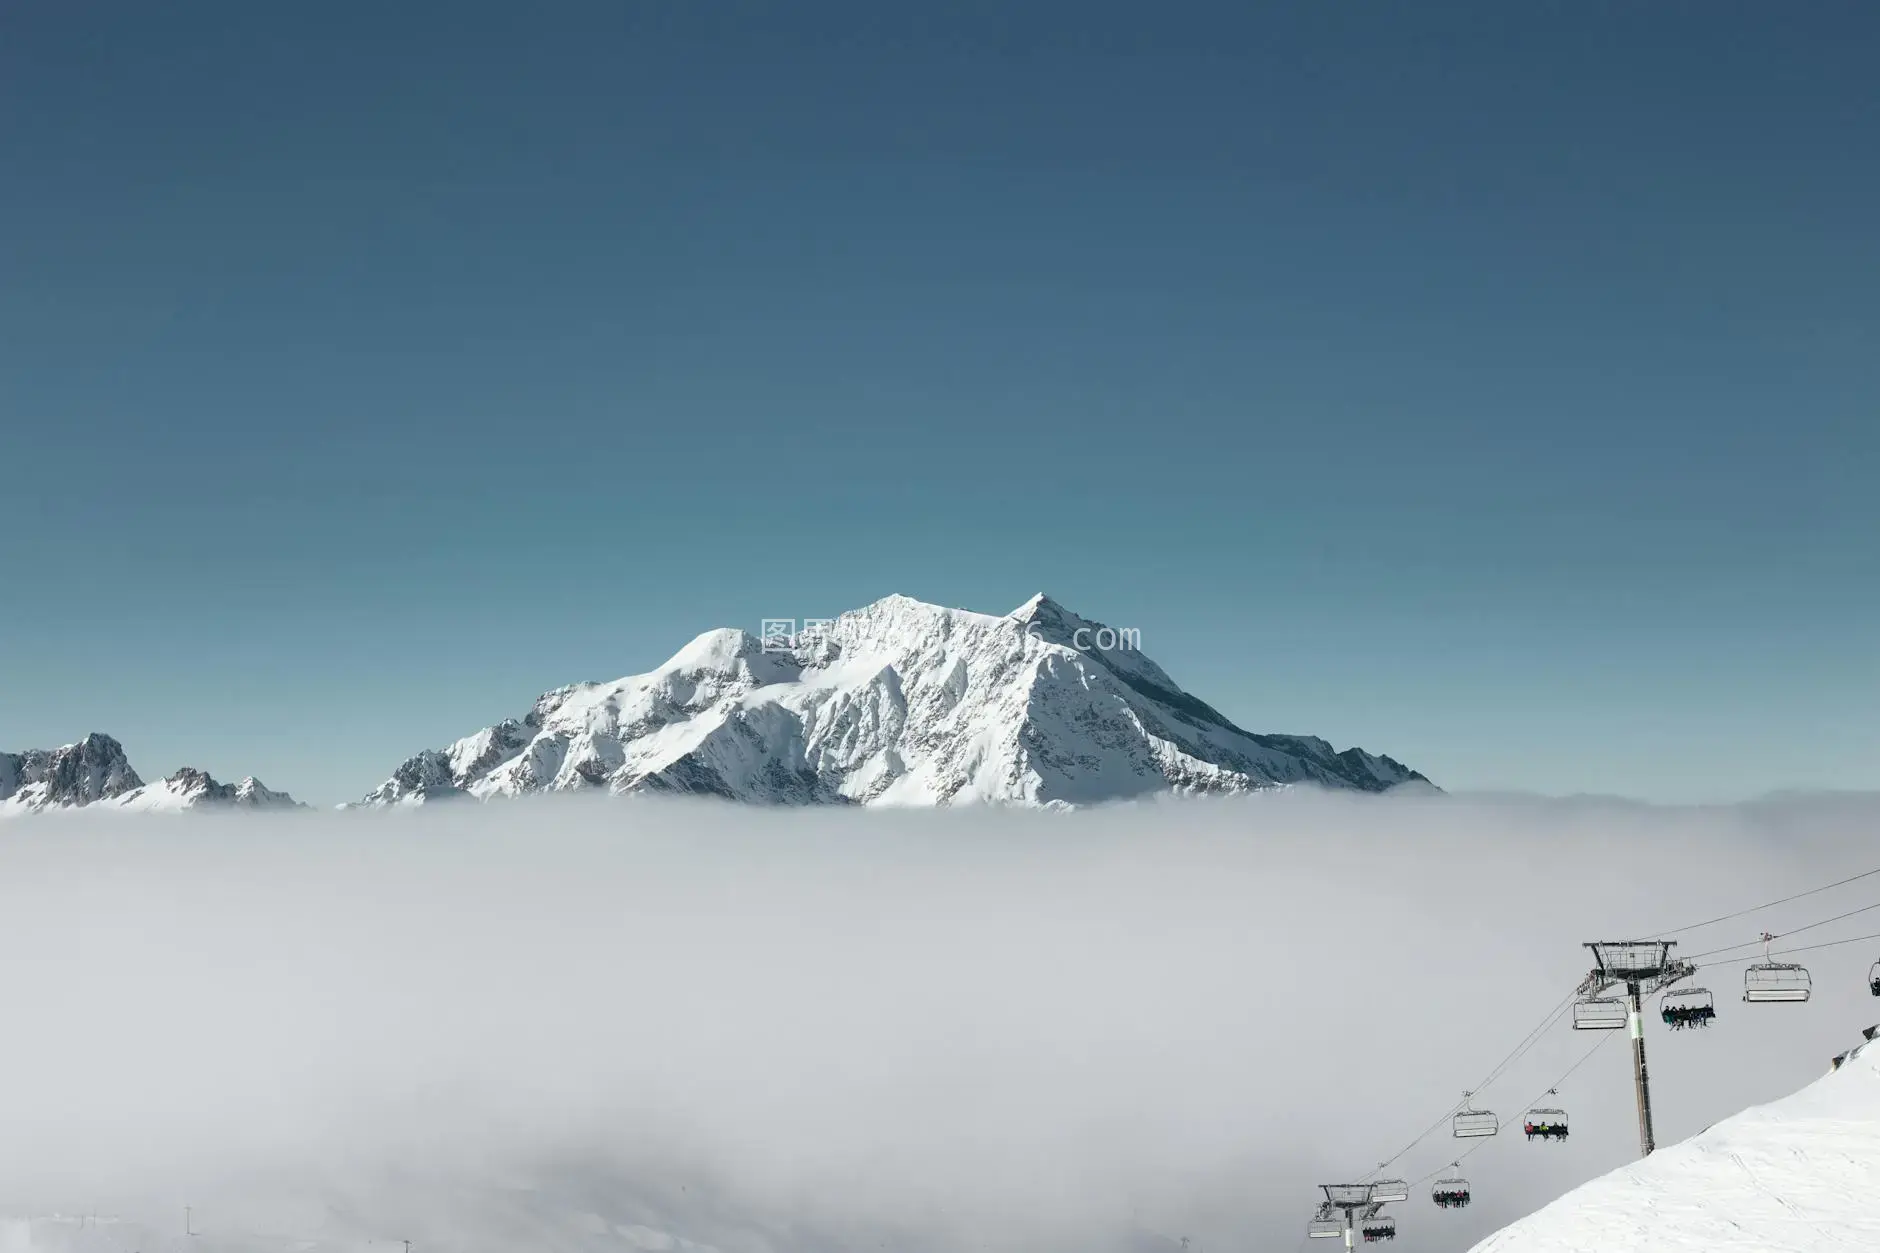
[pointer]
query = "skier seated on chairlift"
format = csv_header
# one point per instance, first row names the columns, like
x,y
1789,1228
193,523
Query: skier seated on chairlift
x,y
1678,1017
1380,1233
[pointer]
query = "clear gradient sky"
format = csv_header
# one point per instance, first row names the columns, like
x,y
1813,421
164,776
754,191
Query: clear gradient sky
x,y
1492,385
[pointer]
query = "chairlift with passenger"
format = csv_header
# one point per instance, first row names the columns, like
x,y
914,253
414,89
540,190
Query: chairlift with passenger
x,y
1379,1228
1687,1007
1873,979
1453,1192
1474,1123
1775,981
1546,1123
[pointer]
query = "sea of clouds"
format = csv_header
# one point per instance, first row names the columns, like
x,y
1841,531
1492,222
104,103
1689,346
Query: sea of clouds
x,y
570,1024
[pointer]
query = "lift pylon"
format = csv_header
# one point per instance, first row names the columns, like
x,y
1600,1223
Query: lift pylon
x,y
1643,967
1356,1202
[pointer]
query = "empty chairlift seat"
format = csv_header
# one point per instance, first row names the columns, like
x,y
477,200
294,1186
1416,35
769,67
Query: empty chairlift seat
x,y
1387,1190
1600,1013
1687,1007
1472,1123
1776,981
1328,1223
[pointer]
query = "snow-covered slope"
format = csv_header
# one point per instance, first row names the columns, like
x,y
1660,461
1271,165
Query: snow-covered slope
x,y
1802,1173
193,789
95,774
899,703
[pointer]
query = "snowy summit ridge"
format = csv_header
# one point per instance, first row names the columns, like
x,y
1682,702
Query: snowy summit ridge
x,y
94,773
897,703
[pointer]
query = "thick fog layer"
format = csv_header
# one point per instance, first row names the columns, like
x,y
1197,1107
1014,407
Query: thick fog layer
x,y
569,1025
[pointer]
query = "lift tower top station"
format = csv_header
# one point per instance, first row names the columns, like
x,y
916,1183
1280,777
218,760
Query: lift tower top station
x,y
1347,1204
1643,966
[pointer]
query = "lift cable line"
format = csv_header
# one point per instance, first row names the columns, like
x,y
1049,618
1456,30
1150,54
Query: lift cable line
x,y
1520,1050
1675,972
1783,935
1784,952
1533,1036
1567,1074
1865,874
1528,1041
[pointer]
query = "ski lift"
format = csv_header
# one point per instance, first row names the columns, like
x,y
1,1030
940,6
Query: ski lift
x,y
1687,1007
1387,1190
1546,1124
1378,1228
1451,1193
1873,979
1324,1225
1473,1123
1600,1013
1775,981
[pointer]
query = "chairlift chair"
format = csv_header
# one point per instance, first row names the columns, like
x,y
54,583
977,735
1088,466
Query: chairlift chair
x,y
1451,1193
1472,1124
1379,1228
1387,1190
1546,1124
1324,1225
1600,1013
1873,979
1775,981
1687,1007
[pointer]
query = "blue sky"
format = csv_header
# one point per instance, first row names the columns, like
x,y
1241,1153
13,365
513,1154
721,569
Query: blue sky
x,y
1494,386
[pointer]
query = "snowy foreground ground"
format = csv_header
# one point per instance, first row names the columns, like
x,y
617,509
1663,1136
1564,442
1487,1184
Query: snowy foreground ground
x,y
1802,1173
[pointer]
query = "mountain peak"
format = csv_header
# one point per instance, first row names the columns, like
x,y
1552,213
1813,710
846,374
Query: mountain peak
x,y
897,702
94,773
72,775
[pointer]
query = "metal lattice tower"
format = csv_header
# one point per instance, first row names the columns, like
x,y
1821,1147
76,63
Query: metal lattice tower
x,y
1643,966
1357,1202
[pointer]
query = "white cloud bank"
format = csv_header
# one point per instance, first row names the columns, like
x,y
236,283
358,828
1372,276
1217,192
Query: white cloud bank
x,y
558,1025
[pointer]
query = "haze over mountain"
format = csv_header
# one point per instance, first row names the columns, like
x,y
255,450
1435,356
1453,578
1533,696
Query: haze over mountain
x,y
896,703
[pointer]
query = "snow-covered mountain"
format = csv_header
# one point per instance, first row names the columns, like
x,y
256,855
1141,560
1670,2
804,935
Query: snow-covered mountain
x,y
95,774
94,769
898,702
189,788
1797,1174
